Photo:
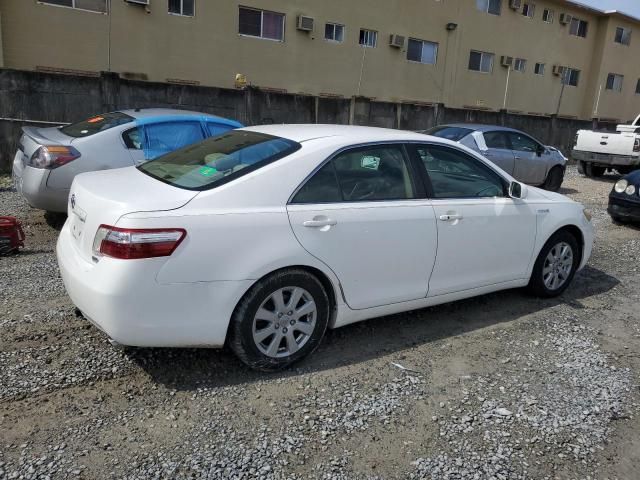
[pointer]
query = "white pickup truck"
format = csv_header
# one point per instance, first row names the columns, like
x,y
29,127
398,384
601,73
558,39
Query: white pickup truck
x,y
597,152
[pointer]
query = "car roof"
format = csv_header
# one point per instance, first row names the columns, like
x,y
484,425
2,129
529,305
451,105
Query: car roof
x,y
481,127
148,114
340,133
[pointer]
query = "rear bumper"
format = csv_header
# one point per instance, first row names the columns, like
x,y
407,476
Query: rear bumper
x,y
31,183
606,159
124,300
619,208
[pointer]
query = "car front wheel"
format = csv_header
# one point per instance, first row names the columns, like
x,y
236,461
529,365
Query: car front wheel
x,y
556,265
280,320
554,179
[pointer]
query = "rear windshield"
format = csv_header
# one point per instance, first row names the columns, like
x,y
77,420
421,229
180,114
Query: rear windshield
x,y
96,124
219,159
450,133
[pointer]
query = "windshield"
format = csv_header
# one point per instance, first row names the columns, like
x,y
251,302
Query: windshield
x,y
219,159
450,133
96,124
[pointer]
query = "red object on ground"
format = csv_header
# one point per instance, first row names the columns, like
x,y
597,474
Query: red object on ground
x,y
11,235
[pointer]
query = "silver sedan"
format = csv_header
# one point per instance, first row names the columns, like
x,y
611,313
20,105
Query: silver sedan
x,y
515,152
48,159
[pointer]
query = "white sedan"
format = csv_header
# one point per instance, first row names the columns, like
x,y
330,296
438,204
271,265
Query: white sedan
x,y
264,237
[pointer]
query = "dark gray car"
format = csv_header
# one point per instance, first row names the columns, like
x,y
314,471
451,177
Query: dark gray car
x,y
515,152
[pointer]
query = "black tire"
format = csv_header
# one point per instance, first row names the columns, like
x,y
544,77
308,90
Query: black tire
x,y
593,171
241,339
620,220
625,170
554,179
581,167
537,285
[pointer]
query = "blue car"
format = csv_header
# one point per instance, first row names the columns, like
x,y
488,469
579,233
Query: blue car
x,y
48,159
624,199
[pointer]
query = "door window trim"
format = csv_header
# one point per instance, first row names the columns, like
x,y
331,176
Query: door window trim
x,y
414,175
413,149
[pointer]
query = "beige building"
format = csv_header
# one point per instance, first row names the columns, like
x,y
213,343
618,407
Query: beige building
x,y
558,57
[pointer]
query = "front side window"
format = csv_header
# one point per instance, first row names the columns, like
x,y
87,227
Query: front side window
x,y
454,174
261,23
422,51
519,64
454,134
623,36
492,7
522,143
497,140
539,69
91,5
96,124
218,160
182,7
614,82
547,16
481,61
368,38
364,174
334,32
578,27
528,10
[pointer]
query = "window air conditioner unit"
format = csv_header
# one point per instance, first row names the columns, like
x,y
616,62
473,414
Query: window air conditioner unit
x,y
138,2
565,18
305,23
515,4
396,41
558,70
506,61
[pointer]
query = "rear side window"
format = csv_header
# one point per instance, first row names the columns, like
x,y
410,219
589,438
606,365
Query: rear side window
x,y
96,124
360,175
162,138
450,133
219,160
497,140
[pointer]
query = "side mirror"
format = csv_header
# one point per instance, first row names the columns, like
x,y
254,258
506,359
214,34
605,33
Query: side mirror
x,y
517,190
540,150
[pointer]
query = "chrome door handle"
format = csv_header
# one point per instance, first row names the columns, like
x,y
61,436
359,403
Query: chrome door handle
x,y
517,157
319,223
450,217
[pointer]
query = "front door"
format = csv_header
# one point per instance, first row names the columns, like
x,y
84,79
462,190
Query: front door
x,y
364,215
484,236
529,166
499,150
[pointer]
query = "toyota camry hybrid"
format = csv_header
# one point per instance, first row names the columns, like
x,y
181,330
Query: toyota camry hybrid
x,y
264,237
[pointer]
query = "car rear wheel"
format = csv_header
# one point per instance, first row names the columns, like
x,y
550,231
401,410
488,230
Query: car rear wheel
x,y
280,320
556,265
554,179
592,171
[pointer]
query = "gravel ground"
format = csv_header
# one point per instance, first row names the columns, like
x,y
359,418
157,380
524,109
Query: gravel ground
x,y
503,386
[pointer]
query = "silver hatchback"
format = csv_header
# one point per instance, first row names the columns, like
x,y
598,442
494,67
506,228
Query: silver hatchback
x,y
48,159
520,155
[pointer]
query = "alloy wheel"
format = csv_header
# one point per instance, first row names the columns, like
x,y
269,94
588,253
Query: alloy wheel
x,y
557,266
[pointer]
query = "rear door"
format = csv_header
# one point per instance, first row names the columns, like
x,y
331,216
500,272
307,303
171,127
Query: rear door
x,y
499,150
529,166
364,215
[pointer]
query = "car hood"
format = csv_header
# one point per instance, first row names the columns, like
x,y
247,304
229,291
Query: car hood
x,y
536,193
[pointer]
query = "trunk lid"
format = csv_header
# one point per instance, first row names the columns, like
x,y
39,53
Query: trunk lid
x,y
34,137
103,197
610,143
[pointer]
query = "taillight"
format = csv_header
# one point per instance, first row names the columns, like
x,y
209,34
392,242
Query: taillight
x,y
136,243
636,145
53,156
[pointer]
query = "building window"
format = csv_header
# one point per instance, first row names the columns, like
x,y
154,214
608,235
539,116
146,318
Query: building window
x,y
422,51
638,87
261,23
570,76
528,10
481,61
614,82
547,16
182,7
578,27
492,7
520,65
334,32
368,38
623,36
539,69
90,5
